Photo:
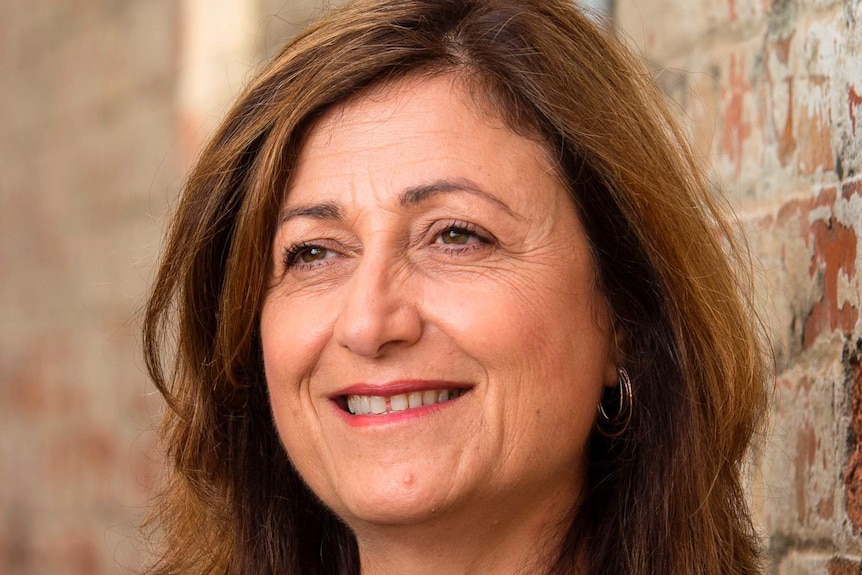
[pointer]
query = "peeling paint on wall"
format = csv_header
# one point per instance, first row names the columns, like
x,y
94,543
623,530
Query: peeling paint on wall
x,y
788,155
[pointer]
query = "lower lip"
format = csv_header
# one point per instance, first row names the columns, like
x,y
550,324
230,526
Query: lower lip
x,y
393,417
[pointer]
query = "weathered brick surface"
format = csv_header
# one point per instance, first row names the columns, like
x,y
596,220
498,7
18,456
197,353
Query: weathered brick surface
x,y
771,92
86,167
813,563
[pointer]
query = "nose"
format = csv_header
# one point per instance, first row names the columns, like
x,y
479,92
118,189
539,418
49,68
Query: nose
x,y
380,311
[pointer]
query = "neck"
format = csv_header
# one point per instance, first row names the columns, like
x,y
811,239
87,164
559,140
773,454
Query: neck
x,y
520,540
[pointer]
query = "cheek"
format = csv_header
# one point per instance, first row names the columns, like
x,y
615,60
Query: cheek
x,y
291,341
540,324
292,337
547,351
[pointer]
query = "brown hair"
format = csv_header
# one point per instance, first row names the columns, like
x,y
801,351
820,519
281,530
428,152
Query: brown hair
x,y
664,496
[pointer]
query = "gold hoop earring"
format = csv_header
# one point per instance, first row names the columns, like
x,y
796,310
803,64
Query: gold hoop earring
x,y
615,426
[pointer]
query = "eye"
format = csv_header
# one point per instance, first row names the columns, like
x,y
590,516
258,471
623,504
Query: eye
x,y
456,236
460,235
306,255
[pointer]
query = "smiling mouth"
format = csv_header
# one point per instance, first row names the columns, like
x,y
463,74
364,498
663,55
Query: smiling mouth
x,y
380,405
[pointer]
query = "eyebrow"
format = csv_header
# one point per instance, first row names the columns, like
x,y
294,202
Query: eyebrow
x,y
409,197
322,211
412,196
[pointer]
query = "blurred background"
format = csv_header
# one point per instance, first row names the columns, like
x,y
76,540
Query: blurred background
x,y
104,105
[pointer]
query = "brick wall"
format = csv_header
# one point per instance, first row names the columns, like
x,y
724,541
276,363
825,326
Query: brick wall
x,y
771,92
87,137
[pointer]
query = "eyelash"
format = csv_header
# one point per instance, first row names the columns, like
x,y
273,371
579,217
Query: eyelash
x,y
293,251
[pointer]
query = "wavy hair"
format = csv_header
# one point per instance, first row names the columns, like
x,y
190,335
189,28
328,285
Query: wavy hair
x,y
663,497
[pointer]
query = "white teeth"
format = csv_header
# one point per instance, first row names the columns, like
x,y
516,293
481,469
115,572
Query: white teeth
x,y
398,403
414,399
378,405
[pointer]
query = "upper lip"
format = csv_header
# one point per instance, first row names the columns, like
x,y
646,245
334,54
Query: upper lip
x,y
398,387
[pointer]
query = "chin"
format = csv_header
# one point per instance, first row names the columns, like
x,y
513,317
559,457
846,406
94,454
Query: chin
x,y
402,495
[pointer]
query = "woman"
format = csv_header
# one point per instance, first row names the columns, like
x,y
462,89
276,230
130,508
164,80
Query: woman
x,y
452,296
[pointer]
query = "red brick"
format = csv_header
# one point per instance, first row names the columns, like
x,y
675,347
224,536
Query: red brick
x,y
842,566
834,248
815,141
736,128
854,103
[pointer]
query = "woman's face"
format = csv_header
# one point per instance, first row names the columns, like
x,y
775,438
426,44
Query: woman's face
x,y
434,341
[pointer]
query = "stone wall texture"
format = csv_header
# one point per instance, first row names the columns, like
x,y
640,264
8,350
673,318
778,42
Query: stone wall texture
x,y
103,105
771,92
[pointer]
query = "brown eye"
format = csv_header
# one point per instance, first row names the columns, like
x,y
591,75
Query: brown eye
x,y
312,254
305,254
455,236
460,236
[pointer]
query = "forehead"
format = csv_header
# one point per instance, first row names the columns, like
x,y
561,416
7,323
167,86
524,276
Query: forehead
x,y
419,98
401,134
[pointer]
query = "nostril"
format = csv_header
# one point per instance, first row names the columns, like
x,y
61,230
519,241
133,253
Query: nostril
x,y
377,308
368,326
